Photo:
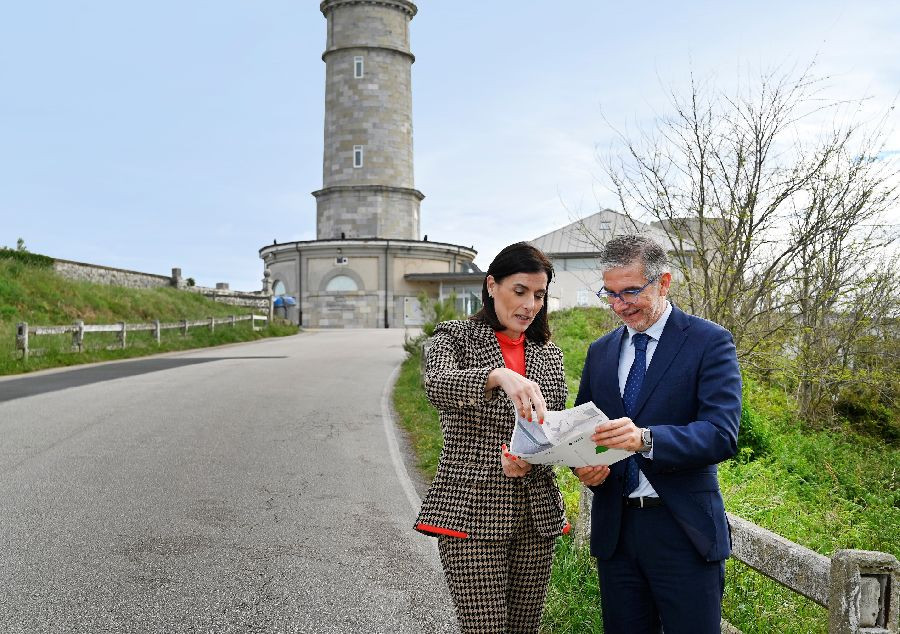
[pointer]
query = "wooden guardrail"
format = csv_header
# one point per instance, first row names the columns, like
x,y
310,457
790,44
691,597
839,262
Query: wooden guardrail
x,y
24,332
860,588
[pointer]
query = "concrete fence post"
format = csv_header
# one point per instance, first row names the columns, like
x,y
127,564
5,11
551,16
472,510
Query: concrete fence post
x,y
184,327
864,593
581,531
22,339
157,331
78,336
212,324
271,313
233,321
122,334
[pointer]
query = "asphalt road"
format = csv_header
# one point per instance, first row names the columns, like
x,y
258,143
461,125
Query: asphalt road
x,y
249,488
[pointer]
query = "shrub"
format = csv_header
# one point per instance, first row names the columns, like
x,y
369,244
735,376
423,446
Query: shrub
x,y
753,439
435,312
25,257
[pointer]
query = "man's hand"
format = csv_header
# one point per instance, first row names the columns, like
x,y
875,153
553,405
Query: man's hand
x,y
592,476
524,393
620,433
513,466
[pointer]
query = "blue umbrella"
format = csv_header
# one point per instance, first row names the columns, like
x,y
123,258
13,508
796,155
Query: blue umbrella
x,y
284,300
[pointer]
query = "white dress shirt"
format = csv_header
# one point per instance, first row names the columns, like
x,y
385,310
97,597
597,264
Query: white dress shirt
x,y
626,358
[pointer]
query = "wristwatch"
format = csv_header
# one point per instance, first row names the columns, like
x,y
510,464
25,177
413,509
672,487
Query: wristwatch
x,y
647,439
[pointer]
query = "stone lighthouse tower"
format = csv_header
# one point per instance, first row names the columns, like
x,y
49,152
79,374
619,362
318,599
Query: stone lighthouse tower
x,y
367,168
368,266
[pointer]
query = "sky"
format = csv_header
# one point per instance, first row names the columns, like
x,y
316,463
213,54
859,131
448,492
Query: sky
x,y
153,135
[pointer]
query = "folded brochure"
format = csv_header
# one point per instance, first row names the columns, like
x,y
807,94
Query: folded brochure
x,y
564,439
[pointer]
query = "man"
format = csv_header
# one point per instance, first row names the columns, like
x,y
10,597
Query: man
x,y
670,382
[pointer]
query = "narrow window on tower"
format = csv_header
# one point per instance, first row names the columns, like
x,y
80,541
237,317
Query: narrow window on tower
x,y
358,67
357,156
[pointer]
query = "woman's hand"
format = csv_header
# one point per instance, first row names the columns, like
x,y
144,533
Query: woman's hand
x,y
524,393
592,476
513,466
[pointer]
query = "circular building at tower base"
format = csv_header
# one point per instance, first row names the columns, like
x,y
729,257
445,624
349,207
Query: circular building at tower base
x,y
370,282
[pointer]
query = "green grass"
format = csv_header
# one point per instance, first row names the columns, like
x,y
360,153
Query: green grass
x,y
573,598
416,415
37,295
824,489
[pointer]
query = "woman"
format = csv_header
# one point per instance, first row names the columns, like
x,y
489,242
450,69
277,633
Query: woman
x,y
496,517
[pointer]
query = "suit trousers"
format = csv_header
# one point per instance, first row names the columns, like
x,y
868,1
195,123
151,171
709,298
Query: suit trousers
x,y
498,585
656,581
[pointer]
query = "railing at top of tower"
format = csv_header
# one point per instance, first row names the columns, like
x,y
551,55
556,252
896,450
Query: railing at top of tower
x,y
403,5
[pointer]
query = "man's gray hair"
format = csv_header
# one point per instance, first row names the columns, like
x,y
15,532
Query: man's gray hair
x,y
624,250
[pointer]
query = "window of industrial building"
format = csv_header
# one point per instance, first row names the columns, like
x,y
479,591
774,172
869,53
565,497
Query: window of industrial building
x,y
578,264
583,297
341,283
357,156
684,260
358,67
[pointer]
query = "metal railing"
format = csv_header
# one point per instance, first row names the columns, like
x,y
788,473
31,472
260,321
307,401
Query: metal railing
x,y
25,332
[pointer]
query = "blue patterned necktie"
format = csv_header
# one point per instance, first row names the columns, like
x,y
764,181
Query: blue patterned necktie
x,y
630,397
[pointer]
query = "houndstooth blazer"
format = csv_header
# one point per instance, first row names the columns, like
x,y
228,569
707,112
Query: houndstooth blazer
x,y
470,493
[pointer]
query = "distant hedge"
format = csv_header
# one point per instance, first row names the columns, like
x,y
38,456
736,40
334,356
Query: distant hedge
x,y
34,259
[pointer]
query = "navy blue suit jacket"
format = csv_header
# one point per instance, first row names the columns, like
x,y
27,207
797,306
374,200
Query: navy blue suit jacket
x,y
691,400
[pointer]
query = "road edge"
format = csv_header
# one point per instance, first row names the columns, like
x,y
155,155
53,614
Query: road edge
x,y
390,432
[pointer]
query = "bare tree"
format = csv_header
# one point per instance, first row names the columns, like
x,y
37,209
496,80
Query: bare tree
x,y
842,283
746,199
841,343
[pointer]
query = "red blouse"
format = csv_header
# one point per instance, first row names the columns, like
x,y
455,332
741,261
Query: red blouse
x,y
513,351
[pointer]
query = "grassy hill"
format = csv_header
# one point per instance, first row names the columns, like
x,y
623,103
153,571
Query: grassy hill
x,y
825,489
32,292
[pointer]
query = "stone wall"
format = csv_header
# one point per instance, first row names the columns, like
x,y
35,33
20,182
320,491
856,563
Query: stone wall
x,y
235,298
385,23
98,274
374,111
110,276
367,211
359,309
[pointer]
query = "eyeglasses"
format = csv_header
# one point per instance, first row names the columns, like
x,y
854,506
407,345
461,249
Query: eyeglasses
x,y
629,297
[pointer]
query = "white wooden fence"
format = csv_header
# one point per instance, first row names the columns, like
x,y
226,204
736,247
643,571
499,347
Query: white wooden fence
x,y
24,332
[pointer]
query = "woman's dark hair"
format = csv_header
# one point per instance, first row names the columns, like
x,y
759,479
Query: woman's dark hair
x,y
521,257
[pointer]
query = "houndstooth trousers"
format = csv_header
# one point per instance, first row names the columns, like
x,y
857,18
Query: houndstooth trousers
x,y
499,586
